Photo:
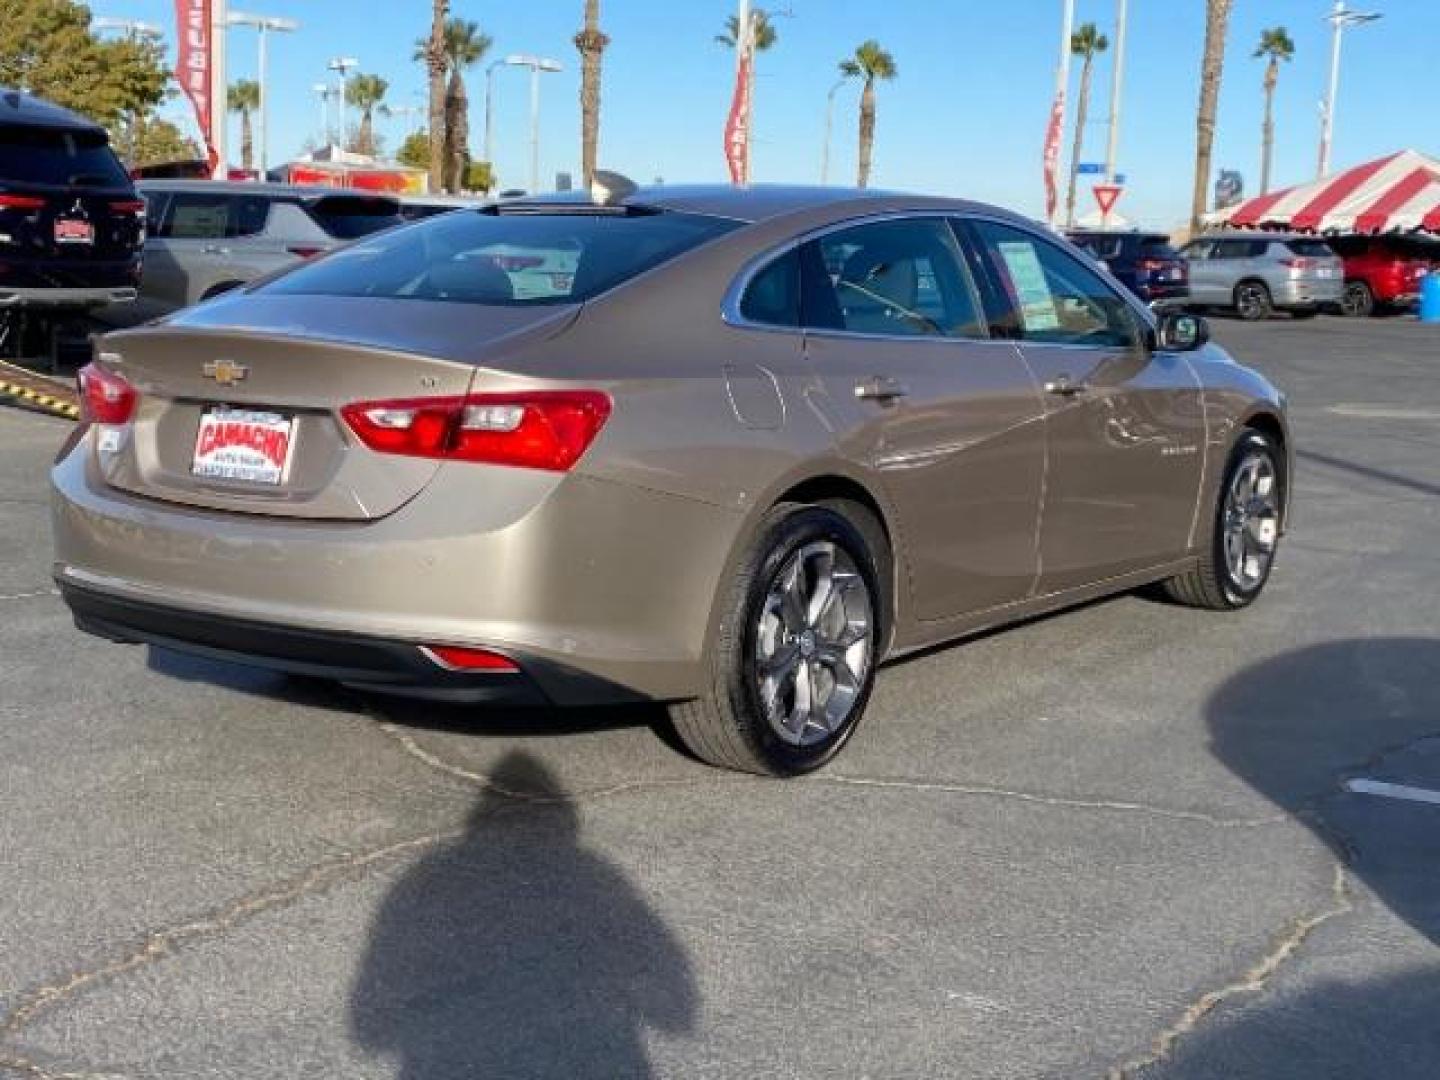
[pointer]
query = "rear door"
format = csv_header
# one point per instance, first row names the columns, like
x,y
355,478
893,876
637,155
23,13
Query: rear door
x,y
946,417
1205,273
1125,431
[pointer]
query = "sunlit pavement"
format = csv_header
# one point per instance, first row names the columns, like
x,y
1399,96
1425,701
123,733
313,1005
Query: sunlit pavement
x,y
1131,838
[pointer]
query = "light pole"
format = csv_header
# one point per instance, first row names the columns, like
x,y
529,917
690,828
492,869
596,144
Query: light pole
x,y
829,124
1117,82
342,65
536,64
323,92
490,110
1340,18
264,25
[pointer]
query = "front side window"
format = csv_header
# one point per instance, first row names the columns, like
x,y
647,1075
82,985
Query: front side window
x,y
896,278
505,259
1051,296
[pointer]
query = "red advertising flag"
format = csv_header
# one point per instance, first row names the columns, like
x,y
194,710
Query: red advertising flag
x,y
737,126
1053,133
193,66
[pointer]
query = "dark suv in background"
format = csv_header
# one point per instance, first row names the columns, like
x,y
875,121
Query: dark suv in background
x,y
71,224
1144,263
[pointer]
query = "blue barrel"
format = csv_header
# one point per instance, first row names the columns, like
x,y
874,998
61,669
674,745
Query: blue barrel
x,y
1430,297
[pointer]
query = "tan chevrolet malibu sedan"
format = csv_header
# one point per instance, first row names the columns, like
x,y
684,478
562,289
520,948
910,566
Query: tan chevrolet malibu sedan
x,y
722,449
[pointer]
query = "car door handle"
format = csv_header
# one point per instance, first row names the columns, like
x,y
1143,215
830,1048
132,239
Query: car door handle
x,y
215,249
1064,386
880,388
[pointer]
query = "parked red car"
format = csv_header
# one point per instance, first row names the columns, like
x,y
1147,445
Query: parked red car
x,y
1383,272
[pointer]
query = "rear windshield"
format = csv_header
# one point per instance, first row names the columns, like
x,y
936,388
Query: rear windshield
x,y
62,158
348,218
1311,249
508,259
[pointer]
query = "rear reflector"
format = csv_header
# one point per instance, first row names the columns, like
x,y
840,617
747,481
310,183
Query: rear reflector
x,y
459,658
128,206
106,398
305,252
20,202
543,429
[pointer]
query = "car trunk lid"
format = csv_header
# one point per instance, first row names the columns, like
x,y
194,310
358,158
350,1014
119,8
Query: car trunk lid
x,y
240,402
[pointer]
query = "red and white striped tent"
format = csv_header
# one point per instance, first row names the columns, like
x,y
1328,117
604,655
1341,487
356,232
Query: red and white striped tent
x,y
1399,193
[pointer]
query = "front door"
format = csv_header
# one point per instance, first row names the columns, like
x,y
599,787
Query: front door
x,y
946,418
1125,428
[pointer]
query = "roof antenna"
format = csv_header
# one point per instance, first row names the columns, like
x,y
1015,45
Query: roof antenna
x,y
611,188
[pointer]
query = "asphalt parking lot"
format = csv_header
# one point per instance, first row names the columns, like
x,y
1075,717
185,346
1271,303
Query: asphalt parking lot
x,y
1128,840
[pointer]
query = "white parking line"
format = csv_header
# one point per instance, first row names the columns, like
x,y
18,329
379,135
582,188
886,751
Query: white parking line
x,y
1393,791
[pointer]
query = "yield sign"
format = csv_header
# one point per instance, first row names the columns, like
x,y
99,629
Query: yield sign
x,y
1107,195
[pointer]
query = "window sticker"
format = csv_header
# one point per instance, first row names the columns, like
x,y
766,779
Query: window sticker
x,y
1032,291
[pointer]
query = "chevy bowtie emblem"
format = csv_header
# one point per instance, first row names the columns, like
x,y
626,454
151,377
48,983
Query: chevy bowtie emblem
x,y
226,372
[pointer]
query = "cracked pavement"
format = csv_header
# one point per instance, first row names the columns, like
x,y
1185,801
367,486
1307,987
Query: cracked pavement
x,y
1111,843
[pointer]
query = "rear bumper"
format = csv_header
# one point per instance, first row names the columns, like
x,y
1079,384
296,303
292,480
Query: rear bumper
x,y
1163,294
1308,293
65,297
364,662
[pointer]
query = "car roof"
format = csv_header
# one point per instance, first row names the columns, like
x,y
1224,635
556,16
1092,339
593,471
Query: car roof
x,y
246,187
20,108
1136,234
1257,235
756,203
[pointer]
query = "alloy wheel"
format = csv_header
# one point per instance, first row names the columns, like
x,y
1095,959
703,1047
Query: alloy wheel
x,y
1251,525
813,644
1252,301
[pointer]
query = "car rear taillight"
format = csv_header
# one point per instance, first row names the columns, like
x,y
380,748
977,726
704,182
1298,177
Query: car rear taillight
x,y
20,202
543,429
460,658
304,252
105,397
1298,263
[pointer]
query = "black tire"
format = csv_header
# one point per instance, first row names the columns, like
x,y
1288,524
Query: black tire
x,y
1358,301
728,726
1253,301
1210,584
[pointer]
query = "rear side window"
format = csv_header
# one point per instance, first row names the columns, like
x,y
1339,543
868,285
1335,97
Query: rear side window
x,y
512,259
1310,249
773,295
217,216
347,217
62,158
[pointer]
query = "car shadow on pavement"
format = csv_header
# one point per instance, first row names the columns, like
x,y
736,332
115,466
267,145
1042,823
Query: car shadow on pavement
x,y
1299,726
515,951
1335,1030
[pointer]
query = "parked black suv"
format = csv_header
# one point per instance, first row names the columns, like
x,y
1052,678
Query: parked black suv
x,y
71,225
1144,263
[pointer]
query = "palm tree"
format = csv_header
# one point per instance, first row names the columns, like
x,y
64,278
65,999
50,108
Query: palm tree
x,y
1212,65
765,32
365,92
870,63
1275,43
591,42
1086,42
465,46
243,97
433,55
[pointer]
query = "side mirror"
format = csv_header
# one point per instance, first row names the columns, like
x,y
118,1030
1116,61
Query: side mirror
x,y
1179,331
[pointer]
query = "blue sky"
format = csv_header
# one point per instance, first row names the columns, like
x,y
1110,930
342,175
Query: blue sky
x,y
965,117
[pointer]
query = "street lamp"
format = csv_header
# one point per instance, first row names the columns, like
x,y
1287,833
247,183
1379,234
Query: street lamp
x,y
490,110
1340,18
130,27
536,64
264,25
829,124
342,65
324,91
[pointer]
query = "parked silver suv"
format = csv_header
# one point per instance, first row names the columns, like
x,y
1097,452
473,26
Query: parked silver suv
x,y
1257,274
206,238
